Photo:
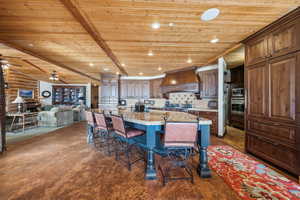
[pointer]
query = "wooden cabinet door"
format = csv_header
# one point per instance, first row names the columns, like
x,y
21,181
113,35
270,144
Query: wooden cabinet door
x,y
257,91
282,76
285,39
209,84
256,50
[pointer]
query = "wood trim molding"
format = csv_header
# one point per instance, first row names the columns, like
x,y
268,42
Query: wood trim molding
x,y
214,59
36,55
82,18
284,19
41,69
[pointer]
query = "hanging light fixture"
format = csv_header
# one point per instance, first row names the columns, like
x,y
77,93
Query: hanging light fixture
x,y
54,76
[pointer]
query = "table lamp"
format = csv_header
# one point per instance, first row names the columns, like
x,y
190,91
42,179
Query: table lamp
x,y
19,100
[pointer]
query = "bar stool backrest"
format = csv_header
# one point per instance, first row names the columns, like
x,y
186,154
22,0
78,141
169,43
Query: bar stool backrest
x,y
118,125
180,134
101,121
90,118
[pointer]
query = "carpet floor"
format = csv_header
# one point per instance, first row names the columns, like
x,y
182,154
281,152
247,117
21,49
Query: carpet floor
x,y
60,165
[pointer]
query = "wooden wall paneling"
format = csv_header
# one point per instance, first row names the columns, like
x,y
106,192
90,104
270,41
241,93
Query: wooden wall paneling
x,y
17,81
2,112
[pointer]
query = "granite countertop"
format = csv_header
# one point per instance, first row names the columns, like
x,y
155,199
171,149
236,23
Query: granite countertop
x,y
157,118
203,109
187,109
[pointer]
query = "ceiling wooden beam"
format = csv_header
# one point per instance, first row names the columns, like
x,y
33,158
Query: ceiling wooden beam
x,y
215,58
51,61
82,18
42,70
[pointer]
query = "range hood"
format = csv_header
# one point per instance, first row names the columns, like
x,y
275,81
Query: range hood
x,y
181,81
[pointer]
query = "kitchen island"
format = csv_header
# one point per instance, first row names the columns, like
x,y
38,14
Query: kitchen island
x,y
208,113
152,123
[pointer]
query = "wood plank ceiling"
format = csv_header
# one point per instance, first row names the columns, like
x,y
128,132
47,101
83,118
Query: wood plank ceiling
x,y
109,33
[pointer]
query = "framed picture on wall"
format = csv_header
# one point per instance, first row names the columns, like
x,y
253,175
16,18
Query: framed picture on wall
x,y
26,94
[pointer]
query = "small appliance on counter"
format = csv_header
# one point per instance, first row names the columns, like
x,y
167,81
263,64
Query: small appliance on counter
x,y
139,107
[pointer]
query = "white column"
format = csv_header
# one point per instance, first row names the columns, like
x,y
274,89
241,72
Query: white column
x,y
221,106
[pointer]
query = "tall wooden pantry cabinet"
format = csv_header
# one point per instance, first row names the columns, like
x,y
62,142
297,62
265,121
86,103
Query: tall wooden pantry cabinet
x,y
272,81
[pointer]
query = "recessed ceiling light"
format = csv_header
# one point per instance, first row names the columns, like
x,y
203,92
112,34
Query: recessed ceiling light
x,y
31,45
117,73
189,60
173,82
155,25
106,69
210,14
171,24
150,53
159,68
91,64
141,73
215,40
123,65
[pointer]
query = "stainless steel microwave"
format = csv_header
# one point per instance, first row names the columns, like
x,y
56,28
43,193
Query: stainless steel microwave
x,y
237,92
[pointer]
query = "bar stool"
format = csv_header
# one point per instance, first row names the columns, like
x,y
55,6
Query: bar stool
x,y
125,138
105,130
93,135
179,141
90,126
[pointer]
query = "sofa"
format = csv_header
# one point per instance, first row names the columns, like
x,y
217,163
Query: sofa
x,y
56,117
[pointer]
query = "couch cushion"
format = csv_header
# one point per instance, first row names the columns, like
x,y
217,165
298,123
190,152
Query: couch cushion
x,y
55,109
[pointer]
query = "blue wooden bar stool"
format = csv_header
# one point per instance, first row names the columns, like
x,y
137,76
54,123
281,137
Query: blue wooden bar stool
x,y
180,139
125,138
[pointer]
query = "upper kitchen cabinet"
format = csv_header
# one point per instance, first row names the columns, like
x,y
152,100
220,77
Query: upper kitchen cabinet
x,y
257,50
139,89
285,39
275,40
209,84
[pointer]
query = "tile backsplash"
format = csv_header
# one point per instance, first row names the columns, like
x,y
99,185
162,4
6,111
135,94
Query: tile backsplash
x,y
182,98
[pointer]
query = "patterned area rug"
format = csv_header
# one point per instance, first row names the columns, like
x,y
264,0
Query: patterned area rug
x,y
249,178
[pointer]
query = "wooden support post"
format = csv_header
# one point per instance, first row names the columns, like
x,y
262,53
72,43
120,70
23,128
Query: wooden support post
x,y
2,112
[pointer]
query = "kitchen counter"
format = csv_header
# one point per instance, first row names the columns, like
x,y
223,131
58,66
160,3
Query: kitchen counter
x,y
184,109
157,118
203,109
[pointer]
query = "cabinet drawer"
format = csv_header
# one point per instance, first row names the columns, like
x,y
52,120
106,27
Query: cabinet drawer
x,y
274,131
278,154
